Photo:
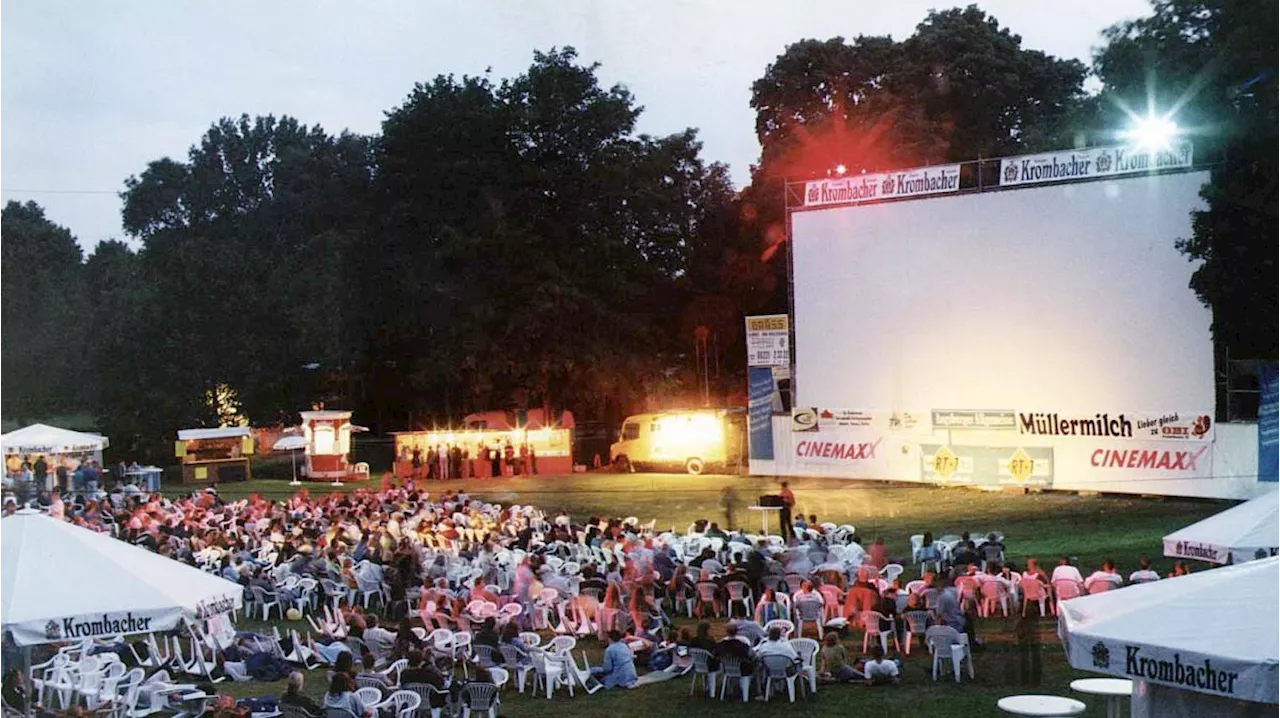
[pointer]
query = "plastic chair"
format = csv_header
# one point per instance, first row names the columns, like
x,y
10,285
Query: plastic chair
x,y
872,625
787,627
402,704
832,599
707,594
731,670
917,625
702,671
369,696
425,691
549,673
948,644
1065,589
267,600
513,661
809,611
1034,591
808,650
779,669
994,594
739,593
891,572
480,698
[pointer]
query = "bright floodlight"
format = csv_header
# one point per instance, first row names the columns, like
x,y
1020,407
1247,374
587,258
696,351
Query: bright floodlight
x,y
840,169
1152,133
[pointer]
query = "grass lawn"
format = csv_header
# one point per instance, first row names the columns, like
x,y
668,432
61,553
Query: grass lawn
x,y
1044,525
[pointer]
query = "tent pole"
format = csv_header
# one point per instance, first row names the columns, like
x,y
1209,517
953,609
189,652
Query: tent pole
x,y
293,459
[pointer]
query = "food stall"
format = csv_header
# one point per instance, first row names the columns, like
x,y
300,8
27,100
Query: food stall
x,y
214,455
532,447
60,448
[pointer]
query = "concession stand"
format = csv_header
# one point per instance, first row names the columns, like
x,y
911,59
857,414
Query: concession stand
x,y
328,444
214,455
529,444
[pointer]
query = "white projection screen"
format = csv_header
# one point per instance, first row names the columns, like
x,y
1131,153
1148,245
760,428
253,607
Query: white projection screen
x,y
1069,298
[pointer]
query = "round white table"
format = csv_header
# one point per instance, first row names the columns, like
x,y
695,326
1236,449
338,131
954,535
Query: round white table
x,y
1115,689
1042,706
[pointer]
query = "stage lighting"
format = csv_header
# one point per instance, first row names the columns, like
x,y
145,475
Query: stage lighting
x,y
1152,133
840,169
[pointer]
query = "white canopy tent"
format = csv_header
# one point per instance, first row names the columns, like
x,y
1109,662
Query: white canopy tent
x,y
1207,643
62,582
1238,534
45,439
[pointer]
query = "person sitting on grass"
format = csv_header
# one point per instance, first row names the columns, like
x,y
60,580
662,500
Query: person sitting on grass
x,y
619,668
835,663
880,670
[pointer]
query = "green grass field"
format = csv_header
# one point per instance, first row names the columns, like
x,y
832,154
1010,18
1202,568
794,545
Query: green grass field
x,y
1044,525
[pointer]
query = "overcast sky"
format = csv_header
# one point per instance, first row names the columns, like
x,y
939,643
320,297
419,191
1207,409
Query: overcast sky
x,y
92,91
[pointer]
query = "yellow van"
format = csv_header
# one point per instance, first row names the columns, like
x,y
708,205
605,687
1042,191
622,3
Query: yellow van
x,y
695,440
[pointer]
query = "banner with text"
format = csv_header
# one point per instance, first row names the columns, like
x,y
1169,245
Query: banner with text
x,y
769,340
1268,427
1091,164
761,391
1147,426
919,182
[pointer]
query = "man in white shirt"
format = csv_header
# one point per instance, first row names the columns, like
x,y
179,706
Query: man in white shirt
x,y
1066,572
1144,572
1107,575
379,640
879,669
775,646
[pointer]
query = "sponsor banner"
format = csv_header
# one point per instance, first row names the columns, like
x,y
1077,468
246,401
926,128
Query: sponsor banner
x,y
883,421
1242,680
985,420
97,625
1166,426
769,340
942,179
1268,428
761,389
836,449
1131,466
987,465
1196,550
1091,164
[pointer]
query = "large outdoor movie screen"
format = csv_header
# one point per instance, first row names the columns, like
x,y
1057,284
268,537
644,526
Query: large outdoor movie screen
x,y
1068,298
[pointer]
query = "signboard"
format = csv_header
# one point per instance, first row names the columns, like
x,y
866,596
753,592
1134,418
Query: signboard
x,y
1030,466
1001,420
769,340
922,181
1268,403
760,391
1091,164
1171,426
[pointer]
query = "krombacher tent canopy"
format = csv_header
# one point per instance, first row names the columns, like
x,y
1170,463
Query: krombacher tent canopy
x,y
1215,632
1241,533
60,582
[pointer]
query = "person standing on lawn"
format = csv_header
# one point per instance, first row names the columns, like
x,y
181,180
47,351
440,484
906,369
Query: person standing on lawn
x,y
788,500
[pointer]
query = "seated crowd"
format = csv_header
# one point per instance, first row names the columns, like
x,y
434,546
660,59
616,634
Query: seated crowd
x,y
464,584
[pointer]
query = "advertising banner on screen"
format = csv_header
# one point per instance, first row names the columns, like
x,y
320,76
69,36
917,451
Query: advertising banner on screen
x,y
1091,164
919,182
1147,426
952,465
769,340
917,422
1268,428
761,389
1000,420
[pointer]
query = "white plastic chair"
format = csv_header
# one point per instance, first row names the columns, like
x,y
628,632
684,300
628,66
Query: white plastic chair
x,y
267,600
402,703
1034,592
731,670
811,611
994,594
808,648
702,672
872,625
948,644
779,669
369,696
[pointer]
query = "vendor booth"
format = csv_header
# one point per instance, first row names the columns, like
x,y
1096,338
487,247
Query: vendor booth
x,y
59,447
491,441
328,445
1203,644
214,455
1243,532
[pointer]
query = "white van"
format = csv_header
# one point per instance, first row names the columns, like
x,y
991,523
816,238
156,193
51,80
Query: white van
x,y
695,440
